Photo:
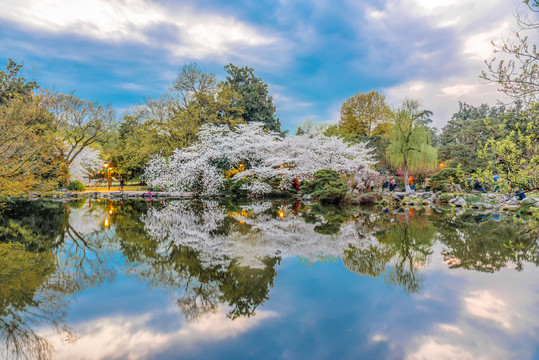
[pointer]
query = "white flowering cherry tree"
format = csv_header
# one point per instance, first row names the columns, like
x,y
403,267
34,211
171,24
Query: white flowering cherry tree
x,y
264,154
87,163
298,157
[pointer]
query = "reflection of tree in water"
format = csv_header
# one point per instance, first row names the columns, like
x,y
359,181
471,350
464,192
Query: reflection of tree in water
x,y
194,271
403,243
486,243
209,253
42,260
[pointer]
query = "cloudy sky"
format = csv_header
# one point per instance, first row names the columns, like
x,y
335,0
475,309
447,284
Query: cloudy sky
x,y
313,54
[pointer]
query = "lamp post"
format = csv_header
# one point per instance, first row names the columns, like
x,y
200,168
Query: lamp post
x,y
107,170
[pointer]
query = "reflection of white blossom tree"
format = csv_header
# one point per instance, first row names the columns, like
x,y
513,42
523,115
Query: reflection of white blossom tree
x,y
269,235
200,166
368,246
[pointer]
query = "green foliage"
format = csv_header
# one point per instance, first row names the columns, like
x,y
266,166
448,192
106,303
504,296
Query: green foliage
x,y
254,98
410,145
466,132
470,199
515,157
29,156
442,180
327,186
76,185
12,85
364,114
233,187
444,198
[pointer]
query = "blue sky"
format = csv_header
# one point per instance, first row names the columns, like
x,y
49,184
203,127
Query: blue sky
x,y
313,54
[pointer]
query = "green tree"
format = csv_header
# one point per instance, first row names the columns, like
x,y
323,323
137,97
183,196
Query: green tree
x,y
467,132
13,85
364,114
326,186
80,124
28,146
173,121
515,156
255,100
409,145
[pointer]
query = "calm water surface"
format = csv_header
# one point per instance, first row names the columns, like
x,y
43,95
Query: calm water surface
x,y
264,280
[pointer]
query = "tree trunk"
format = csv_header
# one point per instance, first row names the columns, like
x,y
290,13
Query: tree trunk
x,y
406,185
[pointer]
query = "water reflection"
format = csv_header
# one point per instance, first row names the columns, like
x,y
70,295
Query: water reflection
x,y
221,258
44,259
486,242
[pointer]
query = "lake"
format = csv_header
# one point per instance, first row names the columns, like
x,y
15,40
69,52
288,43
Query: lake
x,y
102,279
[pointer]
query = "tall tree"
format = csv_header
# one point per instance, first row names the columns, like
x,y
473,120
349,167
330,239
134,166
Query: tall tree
x,y
410,146
466,133
81,123
192,82
363,114
254,99
28,145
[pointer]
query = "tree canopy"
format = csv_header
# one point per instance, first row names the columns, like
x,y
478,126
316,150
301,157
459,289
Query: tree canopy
x,y
410,146
254,97
363,114
467,132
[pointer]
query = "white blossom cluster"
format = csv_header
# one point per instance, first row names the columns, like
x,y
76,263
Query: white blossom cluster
x,y
88,162
265,154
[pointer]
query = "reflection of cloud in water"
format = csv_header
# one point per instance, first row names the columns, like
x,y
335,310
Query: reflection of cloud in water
x,y
484,305
269,236
86,220
134,337
432,349
495,317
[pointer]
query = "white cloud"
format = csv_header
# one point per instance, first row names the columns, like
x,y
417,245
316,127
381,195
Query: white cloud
x,y
191,34
446,58
442,97
479,46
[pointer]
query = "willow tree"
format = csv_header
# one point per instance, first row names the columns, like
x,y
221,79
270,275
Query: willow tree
x,y
409,140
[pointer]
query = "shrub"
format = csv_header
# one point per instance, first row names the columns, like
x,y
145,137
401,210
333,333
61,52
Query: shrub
x,y
236,187
441,180
76,185
327,186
